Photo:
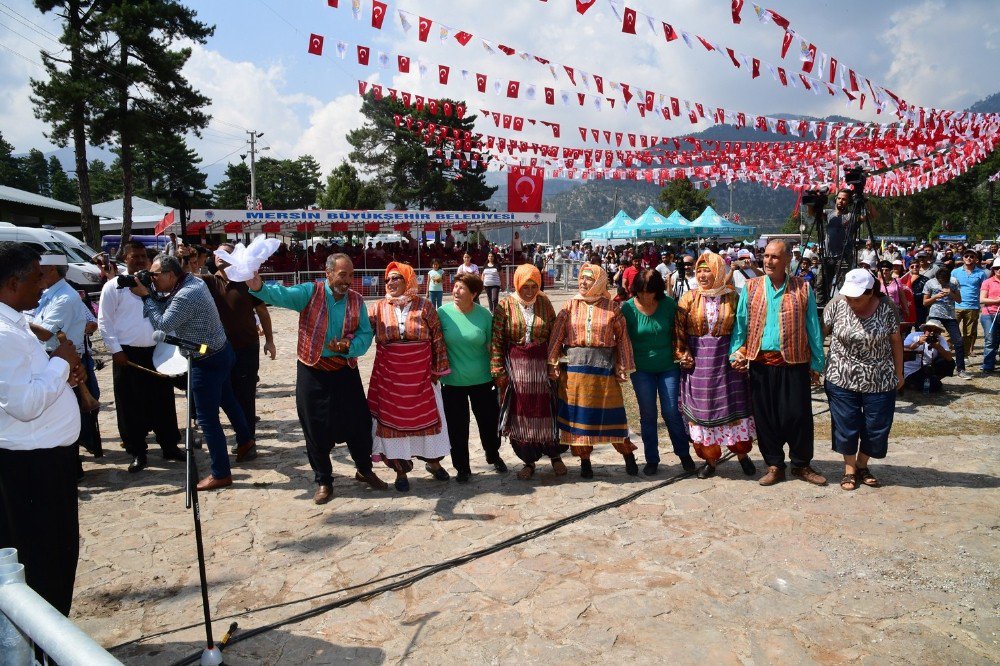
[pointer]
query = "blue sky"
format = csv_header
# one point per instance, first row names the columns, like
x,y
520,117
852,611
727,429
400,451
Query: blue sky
x,y
259,75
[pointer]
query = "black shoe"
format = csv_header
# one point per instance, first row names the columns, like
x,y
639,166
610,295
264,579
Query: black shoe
x,y
631,466
402,484
650,469
463,477
748,467
586,471
138,463
706,472
500,466
441,474
174,453
688,464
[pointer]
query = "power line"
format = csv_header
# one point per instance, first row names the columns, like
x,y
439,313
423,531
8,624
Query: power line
x,y
28,39
37,28
22,56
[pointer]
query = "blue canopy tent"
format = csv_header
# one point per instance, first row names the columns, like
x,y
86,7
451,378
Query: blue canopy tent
x,y
620,224
652,224
710,223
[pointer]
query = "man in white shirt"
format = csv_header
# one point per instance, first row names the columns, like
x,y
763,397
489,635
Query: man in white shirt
x,y
143,401
868,257
927,357
39,425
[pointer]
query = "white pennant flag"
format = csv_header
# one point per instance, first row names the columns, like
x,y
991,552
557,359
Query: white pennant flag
x,y
341,49
422,69
529,92
383,59
404,22
616,8
356,9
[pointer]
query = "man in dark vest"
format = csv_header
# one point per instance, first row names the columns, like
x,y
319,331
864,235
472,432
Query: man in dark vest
x,y
777,338
334,331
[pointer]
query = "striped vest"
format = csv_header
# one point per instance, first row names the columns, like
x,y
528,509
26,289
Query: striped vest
x,y
313,322
791,319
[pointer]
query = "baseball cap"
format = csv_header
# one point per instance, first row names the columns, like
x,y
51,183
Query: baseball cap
x,y
856,282
972,252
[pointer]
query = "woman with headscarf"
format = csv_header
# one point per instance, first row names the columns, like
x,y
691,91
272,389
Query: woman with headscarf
x,y
522,323
590,338
714,397
404,394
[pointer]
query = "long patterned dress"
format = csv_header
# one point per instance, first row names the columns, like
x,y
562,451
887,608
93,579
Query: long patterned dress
x,y
595,342
407,410
519,351
714,397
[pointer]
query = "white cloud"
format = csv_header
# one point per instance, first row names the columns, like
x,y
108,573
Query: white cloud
x,y
325,137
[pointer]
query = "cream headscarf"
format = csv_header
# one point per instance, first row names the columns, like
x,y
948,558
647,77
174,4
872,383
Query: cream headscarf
x,y
600,288
720,274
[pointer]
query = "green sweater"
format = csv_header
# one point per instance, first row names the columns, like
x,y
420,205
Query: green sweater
x,y
652,336
467,337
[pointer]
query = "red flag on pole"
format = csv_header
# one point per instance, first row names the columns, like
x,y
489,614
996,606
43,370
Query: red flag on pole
x,y
164,224
524,189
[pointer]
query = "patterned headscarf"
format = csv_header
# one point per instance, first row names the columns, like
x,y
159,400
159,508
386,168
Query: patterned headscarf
x,y
600,288
412,289
720,274
526,273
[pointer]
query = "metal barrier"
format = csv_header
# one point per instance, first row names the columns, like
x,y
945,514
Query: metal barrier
x,y
30,626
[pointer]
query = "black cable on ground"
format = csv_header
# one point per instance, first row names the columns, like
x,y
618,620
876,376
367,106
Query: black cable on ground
x,y
423,572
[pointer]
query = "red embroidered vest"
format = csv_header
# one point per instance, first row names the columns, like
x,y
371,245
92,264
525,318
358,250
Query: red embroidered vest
x,y
314,320
791,319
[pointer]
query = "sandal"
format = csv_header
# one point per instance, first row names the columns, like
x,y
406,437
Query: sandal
x,y
559,467
526,472
849,482
865,476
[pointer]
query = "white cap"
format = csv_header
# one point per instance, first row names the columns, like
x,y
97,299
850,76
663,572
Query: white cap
x,y
857,282
744,254
996,262
53,259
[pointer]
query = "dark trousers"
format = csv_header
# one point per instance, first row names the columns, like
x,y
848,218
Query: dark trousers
x,y
483,398
244,379
39,517
492,297
955,342
144,403
332,408
934,372
211,390
781,401
860,421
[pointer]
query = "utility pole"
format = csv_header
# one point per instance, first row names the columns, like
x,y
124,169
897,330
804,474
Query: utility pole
x,y
254,135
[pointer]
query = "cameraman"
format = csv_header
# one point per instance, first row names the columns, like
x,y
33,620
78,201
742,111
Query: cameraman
x,y
927,357
838,225
143,401
188,311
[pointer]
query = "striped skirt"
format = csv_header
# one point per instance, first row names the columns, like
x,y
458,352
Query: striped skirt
x,y
715,398
591,407
527,407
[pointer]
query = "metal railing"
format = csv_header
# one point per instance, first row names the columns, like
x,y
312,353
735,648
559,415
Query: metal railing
x,y
30,627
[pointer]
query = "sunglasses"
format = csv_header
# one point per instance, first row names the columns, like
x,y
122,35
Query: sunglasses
x,y
396,278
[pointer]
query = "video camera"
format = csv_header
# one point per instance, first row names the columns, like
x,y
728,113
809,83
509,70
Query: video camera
x,y
816,199
145,278
856,178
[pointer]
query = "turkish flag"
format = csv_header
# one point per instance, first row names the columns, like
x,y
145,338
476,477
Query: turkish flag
x,y
669,32
443,71
599,82
518,123
513,89
756,68
583,5
786,41
481,82
524,189
463,37
424,29
628,21
378,13
363,55
404,64
550,96
737,8
316,44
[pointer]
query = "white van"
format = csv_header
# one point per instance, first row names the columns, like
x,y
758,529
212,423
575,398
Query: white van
x,y
81,274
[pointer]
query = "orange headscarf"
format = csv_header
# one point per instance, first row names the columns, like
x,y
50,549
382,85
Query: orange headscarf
x,y
600,288
720,274
412,289
526,273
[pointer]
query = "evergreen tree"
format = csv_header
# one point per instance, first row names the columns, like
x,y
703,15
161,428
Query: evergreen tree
x,y
62,188
396,157
233,190
345,191
105,183
281,184
681,195
35,173
8,164
164,164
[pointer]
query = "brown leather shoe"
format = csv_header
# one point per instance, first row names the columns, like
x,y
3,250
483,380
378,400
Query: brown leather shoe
x,y
212,483
774,475
246,451
810,475
371,478
323,494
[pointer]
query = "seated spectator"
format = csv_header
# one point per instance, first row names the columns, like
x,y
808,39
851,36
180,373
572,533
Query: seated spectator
x,y
927,357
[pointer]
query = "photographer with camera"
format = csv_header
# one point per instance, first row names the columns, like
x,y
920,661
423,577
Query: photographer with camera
x,y
927,358
187,311
144,402
940,294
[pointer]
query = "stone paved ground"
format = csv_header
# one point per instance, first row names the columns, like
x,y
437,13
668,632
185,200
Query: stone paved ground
x,y
718,571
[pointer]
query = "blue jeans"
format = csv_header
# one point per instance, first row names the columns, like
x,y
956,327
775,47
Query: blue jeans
x,y
860,420
991,338
955,342
666,385
211,388
436,297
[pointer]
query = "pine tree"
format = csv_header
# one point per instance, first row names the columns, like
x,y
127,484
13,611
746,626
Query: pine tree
x,y
61,187
680,195
345,191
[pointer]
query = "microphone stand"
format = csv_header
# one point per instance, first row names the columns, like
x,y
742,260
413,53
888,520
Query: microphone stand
x,y
211,655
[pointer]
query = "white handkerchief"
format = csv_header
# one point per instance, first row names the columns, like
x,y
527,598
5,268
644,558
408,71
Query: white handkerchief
x,y
245,261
